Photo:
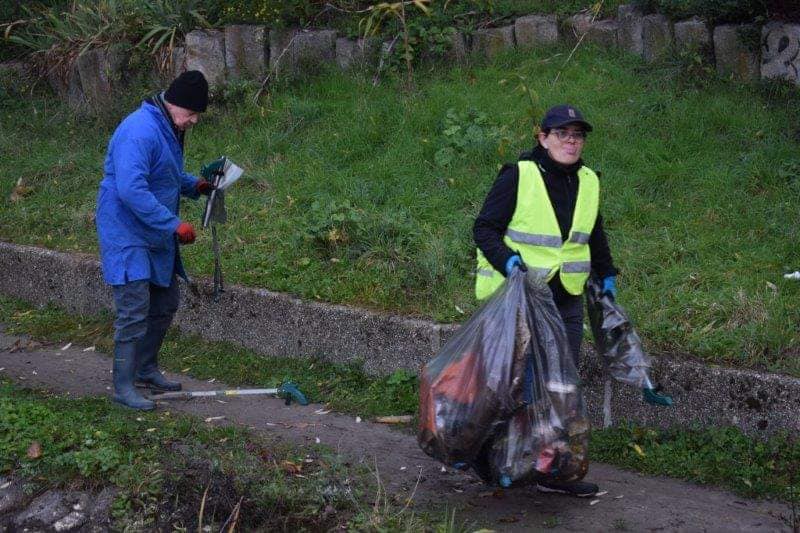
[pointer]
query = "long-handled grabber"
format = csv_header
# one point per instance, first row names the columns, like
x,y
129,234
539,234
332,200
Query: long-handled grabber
x,y
288,391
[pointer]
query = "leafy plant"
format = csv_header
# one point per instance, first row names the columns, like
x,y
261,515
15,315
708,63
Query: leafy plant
x,y
57,37
166,23
397,10
725,11
333,224
465,132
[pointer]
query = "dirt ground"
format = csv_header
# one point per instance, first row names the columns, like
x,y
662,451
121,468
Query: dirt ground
x,y
633,502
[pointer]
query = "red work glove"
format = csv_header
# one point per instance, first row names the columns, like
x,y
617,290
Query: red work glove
x,y
204,187
185,233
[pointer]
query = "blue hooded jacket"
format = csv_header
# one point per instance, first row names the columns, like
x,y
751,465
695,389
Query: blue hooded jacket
x,y
139,198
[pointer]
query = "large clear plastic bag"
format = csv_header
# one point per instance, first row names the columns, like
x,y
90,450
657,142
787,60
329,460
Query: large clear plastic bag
x,y
617,342
503,394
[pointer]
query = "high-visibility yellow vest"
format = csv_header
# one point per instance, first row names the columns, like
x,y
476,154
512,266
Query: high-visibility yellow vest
x,y
535,233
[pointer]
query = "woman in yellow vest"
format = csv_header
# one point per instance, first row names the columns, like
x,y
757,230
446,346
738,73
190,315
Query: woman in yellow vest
x,y
543,214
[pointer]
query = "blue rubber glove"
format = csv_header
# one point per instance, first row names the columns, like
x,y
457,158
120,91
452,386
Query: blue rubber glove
x,y
654,398
610,286
515,261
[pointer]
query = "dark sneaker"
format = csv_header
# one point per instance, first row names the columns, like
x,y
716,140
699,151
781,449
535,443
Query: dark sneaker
x,y
580,489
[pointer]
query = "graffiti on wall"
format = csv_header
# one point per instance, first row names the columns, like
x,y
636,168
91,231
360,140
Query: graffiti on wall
x,y
780,53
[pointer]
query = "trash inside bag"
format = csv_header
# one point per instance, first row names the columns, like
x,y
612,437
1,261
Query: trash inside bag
x,y
616,340
502,396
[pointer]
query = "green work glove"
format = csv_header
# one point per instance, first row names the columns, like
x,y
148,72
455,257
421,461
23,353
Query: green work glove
x,y
213,168
654,398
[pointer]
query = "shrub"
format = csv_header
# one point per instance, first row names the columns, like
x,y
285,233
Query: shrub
x,y
726,11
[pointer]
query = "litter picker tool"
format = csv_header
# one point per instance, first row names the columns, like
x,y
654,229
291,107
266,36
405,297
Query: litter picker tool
x,y
222,173
288,391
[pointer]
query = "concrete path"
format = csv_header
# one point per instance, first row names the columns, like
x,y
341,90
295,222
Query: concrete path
x,y
633,502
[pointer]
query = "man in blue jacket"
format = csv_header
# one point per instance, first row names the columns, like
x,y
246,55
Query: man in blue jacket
x,y
139,229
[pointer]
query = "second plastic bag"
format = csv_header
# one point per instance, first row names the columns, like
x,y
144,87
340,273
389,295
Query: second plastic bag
x,y
502,395
617,342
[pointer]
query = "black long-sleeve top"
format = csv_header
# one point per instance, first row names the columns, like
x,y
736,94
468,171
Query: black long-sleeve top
x,y
561,183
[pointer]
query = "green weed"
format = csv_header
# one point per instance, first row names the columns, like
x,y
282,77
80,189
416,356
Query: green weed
x,y
716,456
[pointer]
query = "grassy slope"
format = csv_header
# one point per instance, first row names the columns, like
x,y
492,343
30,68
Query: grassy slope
x,y
699,193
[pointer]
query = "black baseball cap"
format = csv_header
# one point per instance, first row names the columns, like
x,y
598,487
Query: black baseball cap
x,y
562,115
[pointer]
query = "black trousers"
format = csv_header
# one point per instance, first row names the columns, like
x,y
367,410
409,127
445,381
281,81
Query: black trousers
x,y
570,308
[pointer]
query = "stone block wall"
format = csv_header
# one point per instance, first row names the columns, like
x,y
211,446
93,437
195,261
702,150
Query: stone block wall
x,y
251,51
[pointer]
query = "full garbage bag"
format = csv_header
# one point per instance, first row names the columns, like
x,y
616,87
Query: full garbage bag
x,y
617,342
503,395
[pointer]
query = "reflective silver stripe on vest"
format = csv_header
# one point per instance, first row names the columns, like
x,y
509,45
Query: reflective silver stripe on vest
x,y
576,267
579,237
539,272
550,241
485,272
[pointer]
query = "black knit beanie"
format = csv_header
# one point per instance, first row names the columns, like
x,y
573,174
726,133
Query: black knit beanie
x,y
189,91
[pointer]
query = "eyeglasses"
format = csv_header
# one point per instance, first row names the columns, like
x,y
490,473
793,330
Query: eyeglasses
x,y
563,135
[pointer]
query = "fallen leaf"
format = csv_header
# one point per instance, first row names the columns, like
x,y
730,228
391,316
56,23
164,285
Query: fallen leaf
x,y
19,191
638,449
772,286
34,450
291,468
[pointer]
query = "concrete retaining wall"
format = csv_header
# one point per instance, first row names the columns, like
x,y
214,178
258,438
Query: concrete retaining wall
x,y
277,324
